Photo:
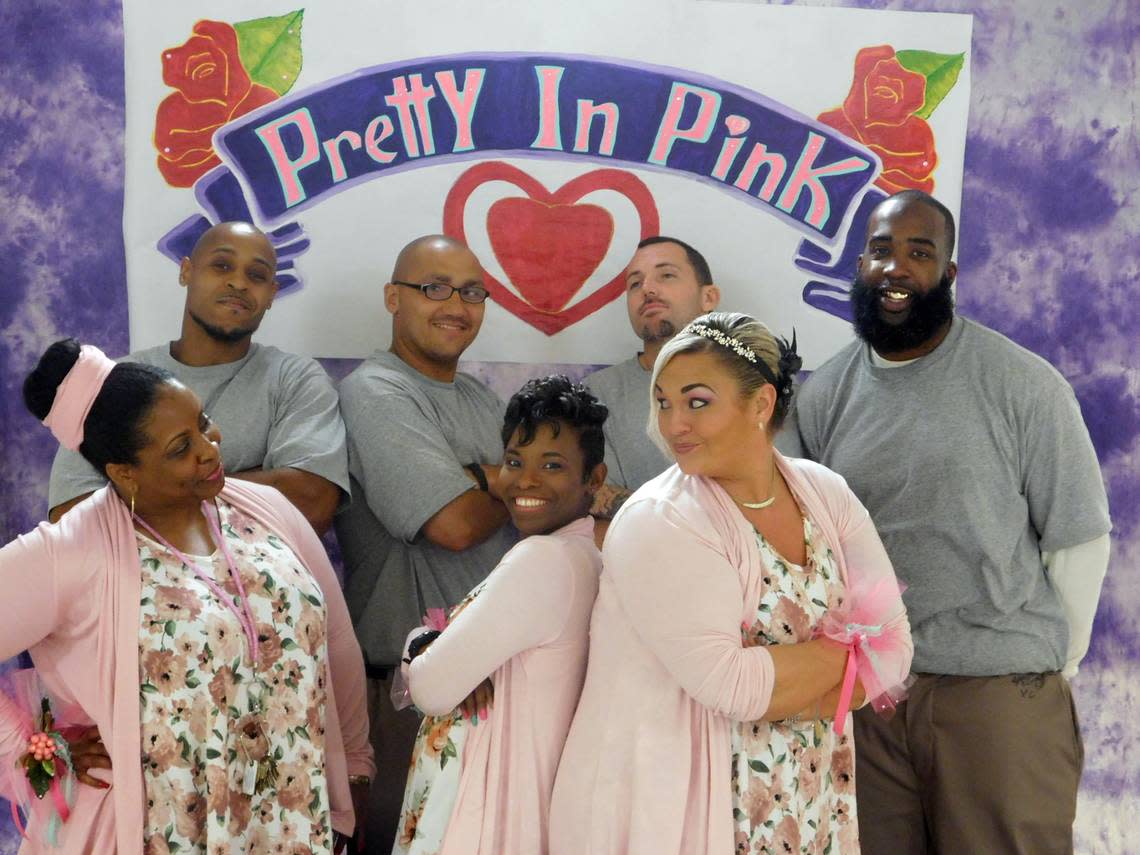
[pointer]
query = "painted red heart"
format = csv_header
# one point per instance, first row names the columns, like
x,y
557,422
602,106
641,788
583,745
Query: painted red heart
x,y
529,239
549,246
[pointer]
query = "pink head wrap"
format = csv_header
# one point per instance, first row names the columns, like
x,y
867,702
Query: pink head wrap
x,y
76,394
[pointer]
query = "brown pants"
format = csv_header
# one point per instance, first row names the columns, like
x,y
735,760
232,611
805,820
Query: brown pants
x,y
970,766
393,734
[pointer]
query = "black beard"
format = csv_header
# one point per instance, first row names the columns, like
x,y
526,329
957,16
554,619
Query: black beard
x,y
220,335
929,313
663,332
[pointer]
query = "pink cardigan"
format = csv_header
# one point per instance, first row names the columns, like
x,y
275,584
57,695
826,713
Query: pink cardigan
x,y
528,629
646,766
71,597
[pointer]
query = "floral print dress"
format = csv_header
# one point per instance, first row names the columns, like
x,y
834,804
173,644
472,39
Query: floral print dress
x,y
433,779
211,720
793,783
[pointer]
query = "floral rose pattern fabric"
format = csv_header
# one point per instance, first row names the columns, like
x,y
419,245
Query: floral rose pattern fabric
x,y
200,693
879,112
433,779
213,87
793,784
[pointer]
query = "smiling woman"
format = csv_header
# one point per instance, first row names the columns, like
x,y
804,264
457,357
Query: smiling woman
x,y
212,603
481,779
701,726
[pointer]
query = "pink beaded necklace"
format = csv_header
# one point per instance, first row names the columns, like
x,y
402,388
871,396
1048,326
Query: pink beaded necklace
x,y
245,613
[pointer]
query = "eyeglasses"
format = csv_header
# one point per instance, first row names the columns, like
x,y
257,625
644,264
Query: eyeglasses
x,y
439,292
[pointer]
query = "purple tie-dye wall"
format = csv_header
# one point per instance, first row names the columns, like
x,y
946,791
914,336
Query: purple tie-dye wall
x,y
1048,256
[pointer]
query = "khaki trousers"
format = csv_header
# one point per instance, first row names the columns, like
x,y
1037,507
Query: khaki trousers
x,y
970,766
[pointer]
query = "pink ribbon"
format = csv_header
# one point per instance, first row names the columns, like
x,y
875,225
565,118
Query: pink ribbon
x,y
56,793
859,664
864,627
76,394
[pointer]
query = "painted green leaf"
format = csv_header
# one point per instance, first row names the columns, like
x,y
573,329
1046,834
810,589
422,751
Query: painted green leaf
x,y
940,70
270,49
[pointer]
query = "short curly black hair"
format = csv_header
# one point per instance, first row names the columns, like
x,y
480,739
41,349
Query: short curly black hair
x,y
557,401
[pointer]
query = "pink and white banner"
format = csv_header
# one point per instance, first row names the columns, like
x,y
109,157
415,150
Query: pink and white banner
x,y
550,138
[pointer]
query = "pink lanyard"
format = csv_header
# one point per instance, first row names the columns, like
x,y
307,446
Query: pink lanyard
x,y
245,615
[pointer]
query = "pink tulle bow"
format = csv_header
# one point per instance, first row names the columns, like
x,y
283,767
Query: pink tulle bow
x,y
863,625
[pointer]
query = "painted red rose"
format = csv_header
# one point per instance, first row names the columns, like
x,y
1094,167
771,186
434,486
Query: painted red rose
x,y
879,112
213,88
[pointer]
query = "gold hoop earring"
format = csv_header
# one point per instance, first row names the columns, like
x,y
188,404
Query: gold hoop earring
x,y
132,504
760,425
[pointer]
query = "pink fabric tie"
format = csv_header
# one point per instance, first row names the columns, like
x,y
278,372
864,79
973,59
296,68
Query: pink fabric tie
x,y
76,394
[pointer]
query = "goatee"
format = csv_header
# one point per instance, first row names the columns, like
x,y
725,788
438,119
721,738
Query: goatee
x,y
220,334
663,331
928,314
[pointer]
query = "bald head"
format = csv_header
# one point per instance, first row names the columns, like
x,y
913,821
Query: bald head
x,y
423,248
906,199
229,234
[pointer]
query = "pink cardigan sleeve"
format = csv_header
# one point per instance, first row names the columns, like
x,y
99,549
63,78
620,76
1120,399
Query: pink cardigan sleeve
x,y
867,565
524,603
29,611
685,602
346,662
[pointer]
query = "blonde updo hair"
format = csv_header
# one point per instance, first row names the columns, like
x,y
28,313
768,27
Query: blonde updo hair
x,y
777,356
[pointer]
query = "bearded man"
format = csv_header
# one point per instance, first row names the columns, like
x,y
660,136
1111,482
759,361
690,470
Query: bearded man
x,y
668,283
972,457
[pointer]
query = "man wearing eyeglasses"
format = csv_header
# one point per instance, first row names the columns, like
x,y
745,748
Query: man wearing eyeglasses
x,y
426,523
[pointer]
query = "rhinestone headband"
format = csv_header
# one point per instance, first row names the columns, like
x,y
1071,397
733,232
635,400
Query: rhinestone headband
x,y
733,344
736,346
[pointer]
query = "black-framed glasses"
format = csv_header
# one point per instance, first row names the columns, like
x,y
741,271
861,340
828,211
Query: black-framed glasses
x,y
439,292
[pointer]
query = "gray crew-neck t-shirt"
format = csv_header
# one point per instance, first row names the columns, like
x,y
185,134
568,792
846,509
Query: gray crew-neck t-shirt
x,y
971,461
274,409
631,456
409,438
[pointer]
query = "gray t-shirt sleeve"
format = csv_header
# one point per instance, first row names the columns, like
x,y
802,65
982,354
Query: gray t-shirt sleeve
x,y
604,390
1061,477
307,432
71,476
403,462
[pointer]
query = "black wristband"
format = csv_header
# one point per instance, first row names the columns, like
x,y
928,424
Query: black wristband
x,y
416,645
480,476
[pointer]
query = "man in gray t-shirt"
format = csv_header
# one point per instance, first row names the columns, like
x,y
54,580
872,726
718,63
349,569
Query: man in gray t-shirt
x,y
972,457
426,523
668,283
277,411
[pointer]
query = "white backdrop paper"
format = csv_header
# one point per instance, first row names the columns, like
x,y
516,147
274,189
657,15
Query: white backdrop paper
x,y
801,62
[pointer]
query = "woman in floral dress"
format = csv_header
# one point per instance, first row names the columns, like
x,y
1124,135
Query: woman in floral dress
x,y
705,723
482,772
195,623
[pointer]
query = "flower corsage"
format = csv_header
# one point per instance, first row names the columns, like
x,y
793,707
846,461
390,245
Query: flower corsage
x,y
43,777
